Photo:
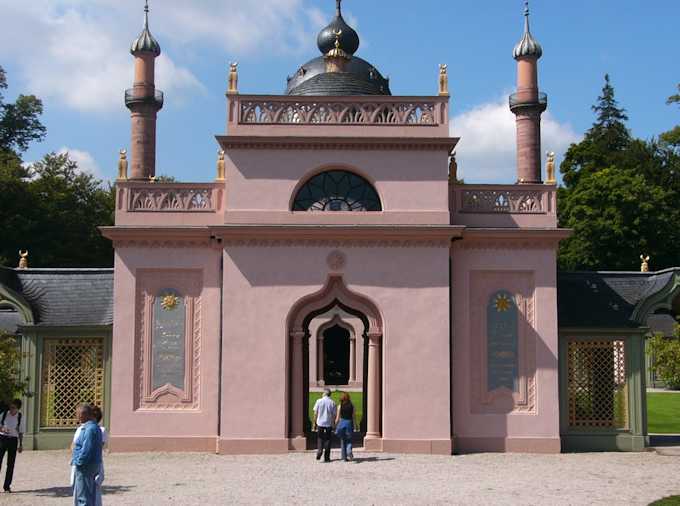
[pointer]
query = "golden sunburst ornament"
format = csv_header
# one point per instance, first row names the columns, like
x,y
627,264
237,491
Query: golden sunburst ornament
x,y
502,303
169,301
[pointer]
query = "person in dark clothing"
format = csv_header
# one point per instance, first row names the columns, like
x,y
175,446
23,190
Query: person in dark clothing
x,y
345,423
12,428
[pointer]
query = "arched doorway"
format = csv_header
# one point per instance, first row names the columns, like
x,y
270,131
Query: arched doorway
x,y
336,356
334,295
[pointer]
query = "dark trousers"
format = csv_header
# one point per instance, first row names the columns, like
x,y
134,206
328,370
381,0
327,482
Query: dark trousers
x,y
323,443
9,445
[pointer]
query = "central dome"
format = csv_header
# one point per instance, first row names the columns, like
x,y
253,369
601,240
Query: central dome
x,y
338,72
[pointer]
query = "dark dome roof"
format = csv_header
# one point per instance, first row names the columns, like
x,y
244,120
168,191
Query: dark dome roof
x,y
324,76
359,78
340,31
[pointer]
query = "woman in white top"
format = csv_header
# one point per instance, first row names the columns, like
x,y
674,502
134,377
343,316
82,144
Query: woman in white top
x,y
12,428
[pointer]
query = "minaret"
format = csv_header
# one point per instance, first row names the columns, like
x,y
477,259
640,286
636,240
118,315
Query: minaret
x,y
144,102
528,104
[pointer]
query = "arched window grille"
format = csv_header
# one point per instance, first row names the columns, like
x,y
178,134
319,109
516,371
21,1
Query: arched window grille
x,y
337,190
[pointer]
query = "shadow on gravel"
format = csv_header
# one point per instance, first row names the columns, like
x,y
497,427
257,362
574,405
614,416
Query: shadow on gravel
x,y
58,492
362,460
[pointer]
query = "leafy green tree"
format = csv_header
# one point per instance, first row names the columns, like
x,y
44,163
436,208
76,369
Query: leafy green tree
x,y
604,145
620,196
672,137
50,208
666,363
11,384
617,215
19,121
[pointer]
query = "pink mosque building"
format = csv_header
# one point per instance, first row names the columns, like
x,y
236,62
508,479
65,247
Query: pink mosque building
x,y
335,247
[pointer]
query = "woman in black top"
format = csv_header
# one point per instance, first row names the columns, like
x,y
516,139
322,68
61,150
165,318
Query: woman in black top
x,y
344,422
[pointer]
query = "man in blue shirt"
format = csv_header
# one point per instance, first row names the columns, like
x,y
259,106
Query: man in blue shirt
x,y
87,457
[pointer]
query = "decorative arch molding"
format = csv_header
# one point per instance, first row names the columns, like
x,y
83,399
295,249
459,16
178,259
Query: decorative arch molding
x,y
14,300
358,199
663,298
338,321
335,292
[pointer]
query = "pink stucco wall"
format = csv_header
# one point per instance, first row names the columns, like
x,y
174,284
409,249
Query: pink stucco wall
x,y
408,285
412,184
536,429
187,428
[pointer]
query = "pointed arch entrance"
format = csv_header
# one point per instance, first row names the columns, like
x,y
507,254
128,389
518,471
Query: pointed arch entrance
x,y
334,294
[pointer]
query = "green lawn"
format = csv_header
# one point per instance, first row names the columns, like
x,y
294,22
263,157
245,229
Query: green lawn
x,y
667,501
357,400
663,413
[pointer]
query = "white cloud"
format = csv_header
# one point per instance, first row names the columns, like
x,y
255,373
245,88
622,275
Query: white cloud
x,y
76,51
86,162
487,150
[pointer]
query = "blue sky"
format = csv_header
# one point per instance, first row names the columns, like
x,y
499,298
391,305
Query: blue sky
x,y
74,55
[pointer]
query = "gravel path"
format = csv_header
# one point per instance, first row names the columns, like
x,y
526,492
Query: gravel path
x,y
201,479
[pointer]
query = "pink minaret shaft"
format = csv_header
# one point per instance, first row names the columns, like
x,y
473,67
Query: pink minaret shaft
x,y
528,104
144,102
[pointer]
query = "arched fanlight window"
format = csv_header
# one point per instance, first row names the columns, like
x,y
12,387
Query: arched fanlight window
x,y
337,190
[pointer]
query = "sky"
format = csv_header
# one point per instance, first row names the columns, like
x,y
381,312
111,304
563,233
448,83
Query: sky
x,y
74,55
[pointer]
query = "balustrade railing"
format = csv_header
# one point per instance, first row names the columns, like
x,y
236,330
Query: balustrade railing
x,y
515,199
169,197
347,111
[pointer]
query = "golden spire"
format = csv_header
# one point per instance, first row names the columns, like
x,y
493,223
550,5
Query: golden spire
x,y
23,259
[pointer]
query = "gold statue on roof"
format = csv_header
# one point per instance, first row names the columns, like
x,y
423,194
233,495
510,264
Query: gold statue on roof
x,y
122,165
550,168
645,263
233,78
220,165
443,80
23,259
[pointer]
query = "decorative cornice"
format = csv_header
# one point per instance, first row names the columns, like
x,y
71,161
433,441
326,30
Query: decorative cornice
x,y
510,239
325,143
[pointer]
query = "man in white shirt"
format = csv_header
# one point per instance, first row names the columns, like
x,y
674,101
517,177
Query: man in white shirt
x,y
324,417
12,428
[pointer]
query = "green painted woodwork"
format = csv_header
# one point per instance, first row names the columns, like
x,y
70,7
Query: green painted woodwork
x,y
635,437
37,438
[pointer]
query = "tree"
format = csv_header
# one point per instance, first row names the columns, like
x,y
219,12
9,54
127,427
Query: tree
x,y
617,215
50,207
666,362
604,144
19,121
11,385
620,196
672,137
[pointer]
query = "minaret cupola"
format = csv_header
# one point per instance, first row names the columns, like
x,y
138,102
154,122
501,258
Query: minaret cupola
x,y
528,46
146,43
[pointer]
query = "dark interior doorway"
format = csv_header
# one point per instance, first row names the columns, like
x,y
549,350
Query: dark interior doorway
x,y
336,357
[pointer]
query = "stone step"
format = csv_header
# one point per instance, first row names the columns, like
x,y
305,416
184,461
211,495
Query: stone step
x,y
668,451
